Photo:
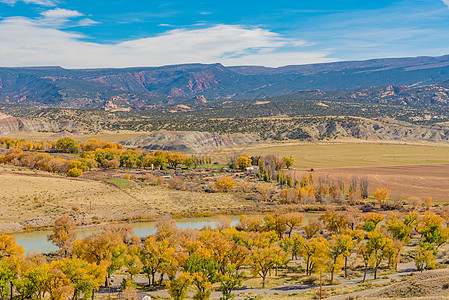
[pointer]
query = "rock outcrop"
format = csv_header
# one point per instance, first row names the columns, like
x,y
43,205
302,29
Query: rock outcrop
x,y
10,124
387,130
189,141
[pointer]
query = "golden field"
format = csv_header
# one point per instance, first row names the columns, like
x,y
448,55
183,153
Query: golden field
x,y
36,198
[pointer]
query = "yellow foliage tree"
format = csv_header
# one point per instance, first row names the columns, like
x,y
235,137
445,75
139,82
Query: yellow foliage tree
x,y
106,247
243,162
8,246
64,235
263,259
225,184
381,195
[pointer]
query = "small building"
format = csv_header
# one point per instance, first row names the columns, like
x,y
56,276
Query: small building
x,y
252,169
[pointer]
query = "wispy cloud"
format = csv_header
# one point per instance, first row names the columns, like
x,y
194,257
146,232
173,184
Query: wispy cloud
x,y
87,22
37,2
25,42
446,2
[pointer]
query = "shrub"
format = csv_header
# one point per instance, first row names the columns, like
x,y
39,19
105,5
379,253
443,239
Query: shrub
x,y
77,164
311,280
67,145
151,179
74,172
225,185
176,183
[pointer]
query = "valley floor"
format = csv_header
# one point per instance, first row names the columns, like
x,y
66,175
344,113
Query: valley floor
x,y
35,198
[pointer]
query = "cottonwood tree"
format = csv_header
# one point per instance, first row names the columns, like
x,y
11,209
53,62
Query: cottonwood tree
x,y
313,228
333,221
166,229
204,274
8,247
64,235
84,277
264,259
225,184
288,160
9,272
177,287
298,242
365,253
371,221
154,256
243,162
132,261
58,284
339,246
377,244
105,247
311,248
293,220
425,258
276,223
356,236
364,183
400,231
251,223
432,231
229,279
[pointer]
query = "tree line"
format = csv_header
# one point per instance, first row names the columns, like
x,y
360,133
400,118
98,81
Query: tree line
x,y
92,154
202,259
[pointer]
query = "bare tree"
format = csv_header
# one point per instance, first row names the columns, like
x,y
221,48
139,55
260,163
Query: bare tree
x,y
354,183
364,181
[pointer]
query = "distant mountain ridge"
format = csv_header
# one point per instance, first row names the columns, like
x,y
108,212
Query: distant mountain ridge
x,y
143,88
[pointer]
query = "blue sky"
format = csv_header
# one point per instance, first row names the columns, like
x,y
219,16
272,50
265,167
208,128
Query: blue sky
x,y
100,33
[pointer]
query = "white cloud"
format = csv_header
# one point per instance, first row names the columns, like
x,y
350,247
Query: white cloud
x,y
38,2
446,2
61,13
26,42
58,17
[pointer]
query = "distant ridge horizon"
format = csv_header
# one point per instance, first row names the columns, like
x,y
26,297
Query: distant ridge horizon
x,y
49,67
142,87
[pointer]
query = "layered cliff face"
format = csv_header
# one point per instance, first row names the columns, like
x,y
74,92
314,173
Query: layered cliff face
x,y
8,125
387,130
189,141
204,142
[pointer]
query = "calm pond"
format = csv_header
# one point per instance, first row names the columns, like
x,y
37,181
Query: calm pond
x,y
37,241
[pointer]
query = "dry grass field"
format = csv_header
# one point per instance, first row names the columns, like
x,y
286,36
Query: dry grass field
x,y
428,285
109,136
329,155
408,170
406,180
36,198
